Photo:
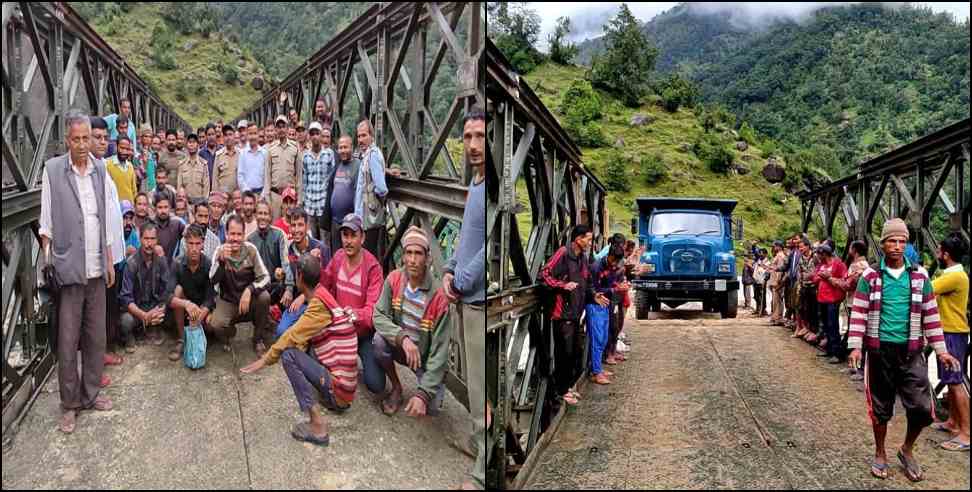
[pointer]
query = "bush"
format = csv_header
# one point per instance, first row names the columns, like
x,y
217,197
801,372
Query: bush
x,y
616,173
653,168
587,134
714,153
228,72
581,102
163,59
748,134
676,92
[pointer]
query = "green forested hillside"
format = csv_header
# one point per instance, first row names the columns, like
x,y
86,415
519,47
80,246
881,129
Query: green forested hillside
x,y
856,80
664,146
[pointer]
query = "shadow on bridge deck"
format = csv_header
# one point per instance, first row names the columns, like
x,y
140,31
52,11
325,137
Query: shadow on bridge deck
x,y
213,428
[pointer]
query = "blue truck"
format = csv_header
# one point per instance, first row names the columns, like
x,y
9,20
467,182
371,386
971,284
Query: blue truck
x,y
688,255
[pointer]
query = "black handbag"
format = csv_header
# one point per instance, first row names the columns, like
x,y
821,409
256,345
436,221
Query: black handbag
x,y
53,288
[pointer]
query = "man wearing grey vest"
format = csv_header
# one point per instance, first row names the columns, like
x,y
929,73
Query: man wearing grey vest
x,y
465,282
74,228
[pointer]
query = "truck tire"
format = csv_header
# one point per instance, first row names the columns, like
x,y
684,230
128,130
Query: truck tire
x,y
643,304
707,305
729,304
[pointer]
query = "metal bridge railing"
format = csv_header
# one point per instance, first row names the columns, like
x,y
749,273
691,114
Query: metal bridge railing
x,y
929,177
526,149
389,58
52,62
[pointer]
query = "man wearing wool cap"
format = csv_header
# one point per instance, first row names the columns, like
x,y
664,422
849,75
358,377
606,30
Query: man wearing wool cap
x,y
413,329
883,324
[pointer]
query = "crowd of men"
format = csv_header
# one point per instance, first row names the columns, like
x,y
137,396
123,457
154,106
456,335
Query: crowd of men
x,y
894,312
274,226
892,309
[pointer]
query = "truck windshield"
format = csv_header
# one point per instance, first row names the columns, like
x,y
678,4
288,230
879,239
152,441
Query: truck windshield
x,y
686,223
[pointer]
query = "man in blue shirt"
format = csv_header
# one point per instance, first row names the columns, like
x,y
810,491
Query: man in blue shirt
x,y
112,120
253,160
369,202
465,282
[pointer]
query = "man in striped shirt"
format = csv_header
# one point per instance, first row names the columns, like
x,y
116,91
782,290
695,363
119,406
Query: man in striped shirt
x,y
894,313
317,164
334,370
412,320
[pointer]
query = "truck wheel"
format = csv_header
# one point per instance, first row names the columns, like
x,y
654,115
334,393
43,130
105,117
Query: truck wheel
x,y
642,305
707,306
730,303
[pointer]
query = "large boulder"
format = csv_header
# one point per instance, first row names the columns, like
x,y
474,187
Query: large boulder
x,y
773,172
641,120
742,145
257,83
740,168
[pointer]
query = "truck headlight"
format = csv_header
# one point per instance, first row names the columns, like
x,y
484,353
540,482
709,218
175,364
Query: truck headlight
x,y
724,268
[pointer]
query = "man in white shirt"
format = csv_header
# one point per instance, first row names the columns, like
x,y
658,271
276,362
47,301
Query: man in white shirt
x,y
74,231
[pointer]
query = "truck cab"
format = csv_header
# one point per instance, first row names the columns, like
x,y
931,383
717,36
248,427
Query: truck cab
x,y
688,254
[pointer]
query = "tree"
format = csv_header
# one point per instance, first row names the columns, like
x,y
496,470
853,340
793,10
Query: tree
x,y
516,29
616,172
561,50
630,57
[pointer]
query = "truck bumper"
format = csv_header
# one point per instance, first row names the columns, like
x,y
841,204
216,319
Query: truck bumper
x,y
685,286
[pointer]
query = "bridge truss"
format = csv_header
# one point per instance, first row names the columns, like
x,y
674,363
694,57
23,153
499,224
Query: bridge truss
x,y
52,62
928,183
533,170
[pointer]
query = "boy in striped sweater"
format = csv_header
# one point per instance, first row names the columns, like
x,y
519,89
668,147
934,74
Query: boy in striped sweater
x,y
894,311
331,368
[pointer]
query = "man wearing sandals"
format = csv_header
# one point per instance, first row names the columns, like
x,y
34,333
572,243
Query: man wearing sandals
x,y
567,274
332,366
894,311
414,329
952,289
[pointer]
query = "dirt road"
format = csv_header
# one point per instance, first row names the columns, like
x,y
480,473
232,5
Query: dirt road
x,y
706,403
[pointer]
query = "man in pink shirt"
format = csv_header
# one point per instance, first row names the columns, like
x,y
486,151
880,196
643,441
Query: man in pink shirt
x,y
354,277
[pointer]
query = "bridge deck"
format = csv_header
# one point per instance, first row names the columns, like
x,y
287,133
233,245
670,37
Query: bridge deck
x,y
214,428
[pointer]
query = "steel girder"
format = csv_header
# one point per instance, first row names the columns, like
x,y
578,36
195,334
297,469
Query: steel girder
x,y
389,57
527,150
52,62
930,174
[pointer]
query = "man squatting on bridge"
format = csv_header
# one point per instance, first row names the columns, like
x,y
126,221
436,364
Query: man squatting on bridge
x,y
211,274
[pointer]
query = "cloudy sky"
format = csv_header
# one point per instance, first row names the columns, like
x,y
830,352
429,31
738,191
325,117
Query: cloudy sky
x,y
587,17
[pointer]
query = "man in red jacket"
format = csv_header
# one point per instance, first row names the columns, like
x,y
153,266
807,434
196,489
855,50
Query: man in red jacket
x,y
355,279
830,271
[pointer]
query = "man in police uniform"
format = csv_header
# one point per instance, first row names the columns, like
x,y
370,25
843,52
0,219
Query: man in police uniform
x,y
281,172
193,171
227,159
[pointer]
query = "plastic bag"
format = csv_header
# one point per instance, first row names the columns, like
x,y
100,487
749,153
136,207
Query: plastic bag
x,y
194,348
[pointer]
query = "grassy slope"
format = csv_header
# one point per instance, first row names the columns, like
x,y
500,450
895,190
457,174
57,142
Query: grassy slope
x,y
766,209
220,100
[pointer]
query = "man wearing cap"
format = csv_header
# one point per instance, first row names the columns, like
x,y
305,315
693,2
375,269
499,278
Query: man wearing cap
x,y
217,207
144,159
354,277
302,144
317,164
282,162
251,169
130,231
193,171
827,277
895,312
414,329
371,190
464,280
227,160
289,202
